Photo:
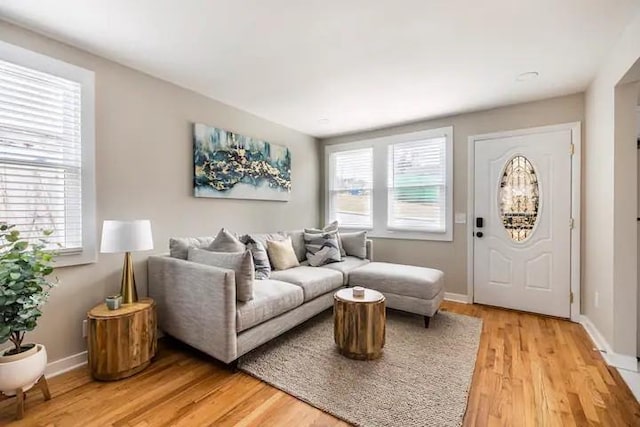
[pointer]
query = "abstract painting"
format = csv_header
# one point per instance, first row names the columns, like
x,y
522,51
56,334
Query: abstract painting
x,y
232,166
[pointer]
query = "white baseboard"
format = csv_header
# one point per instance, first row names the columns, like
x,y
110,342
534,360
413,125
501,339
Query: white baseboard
x,y
633,381
450,296
622,361
63,365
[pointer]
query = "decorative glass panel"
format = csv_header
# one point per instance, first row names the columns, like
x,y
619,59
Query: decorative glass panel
x,y
519,198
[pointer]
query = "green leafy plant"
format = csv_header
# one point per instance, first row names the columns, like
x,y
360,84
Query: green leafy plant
x,y
24,286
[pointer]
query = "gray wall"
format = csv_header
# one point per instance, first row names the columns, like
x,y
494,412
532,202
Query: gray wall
x,y
609,256
144,170
451,257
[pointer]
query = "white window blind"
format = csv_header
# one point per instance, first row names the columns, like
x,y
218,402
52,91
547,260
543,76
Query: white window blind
x,y
40,155
351,187
417,178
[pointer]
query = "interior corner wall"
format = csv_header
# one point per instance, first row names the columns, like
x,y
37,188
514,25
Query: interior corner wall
x,y
625,261
451,257
144,169
608,271
597,214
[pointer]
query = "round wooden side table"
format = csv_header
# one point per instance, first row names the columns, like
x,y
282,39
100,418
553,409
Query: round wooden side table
x,y
359,324
121,342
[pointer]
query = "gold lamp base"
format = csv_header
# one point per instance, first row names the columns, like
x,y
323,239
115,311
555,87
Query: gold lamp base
x,y
128,284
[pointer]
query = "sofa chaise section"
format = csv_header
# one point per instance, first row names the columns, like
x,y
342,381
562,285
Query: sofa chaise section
x,y
418,290
346,266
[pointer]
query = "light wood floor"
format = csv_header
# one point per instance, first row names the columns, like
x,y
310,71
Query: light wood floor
x,y
531,371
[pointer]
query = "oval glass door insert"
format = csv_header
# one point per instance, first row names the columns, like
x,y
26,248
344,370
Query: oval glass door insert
x,y
519,198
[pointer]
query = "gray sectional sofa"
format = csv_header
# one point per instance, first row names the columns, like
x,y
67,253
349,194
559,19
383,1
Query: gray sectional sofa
x,y
197,303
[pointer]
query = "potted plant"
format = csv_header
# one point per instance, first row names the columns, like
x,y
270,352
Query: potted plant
x,y
24,288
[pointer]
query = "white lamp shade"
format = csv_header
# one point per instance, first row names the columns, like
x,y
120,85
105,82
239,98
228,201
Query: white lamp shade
x,y
126,236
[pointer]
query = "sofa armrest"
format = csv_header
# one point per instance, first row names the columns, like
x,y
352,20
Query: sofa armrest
x,y
369,244
196,304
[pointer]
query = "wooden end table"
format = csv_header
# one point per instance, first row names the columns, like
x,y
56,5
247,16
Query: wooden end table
x,y
121,342
359,323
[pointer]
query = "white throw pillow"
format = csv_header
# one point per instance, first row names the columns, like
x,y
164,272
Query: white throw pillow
x,y
281,254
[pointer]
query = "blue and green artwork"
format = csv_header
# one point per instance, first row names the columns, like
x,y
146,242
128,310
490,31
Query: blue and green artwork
x,y
232,166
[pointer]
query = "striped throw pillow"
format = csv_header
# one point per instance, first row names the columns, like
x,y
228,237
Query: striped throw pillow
x,y
322,248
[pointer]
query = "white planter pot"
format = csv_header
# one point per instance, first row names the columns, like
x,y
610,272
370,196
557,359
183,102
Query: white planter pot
x,y
4,358
23,373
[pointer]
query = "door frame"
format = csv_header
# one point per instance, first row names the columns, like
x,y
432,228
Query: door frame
x,y
576,161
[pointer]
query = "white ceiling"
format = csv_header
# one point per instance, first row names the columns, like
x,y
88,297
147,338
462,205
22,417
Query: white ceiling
x,y
360,64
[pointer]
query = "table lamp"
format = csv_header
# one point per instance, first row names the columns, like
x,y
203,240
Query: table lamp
x,y
127,237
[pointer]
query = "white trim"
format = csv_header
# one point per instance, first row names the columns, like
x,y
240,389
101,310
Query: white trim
x,y
74,361
629,363
451,296
622,361
66,364
379,199
576,197
576,139
86,78
633,381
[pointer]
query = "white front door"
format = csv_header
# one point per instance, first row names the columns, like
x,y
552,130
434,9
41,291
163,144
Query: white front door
x,y
522,222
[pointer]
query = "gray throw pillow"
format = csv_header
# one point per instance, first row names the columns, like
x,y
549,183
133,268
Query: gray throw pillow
x,y
260,257
226,242
355,244
322,248
179,246
240,262
329,228
297,240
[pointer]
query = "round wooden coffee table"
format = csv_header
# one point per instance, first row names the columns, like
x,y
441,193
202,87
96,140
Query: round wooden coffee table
x,y
359,323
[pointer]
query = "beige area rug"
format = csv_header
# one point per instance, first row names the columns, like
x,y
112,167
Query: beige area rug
x,y
422,378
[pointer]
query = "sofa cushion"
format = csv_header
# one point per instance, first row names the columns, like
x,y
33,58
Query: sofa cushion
x,y
270,299
281,254
355,244
407,280
226,242
240,262
314,281
346,266
179,246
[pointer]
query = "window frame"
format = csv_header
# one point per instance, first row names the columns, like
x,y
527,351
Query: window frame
x,y
380,201
86,78
329,199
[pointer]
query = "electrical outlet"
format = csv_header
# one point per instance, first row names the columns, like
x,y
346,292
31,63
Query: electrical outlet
x,y
84,328
596,299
